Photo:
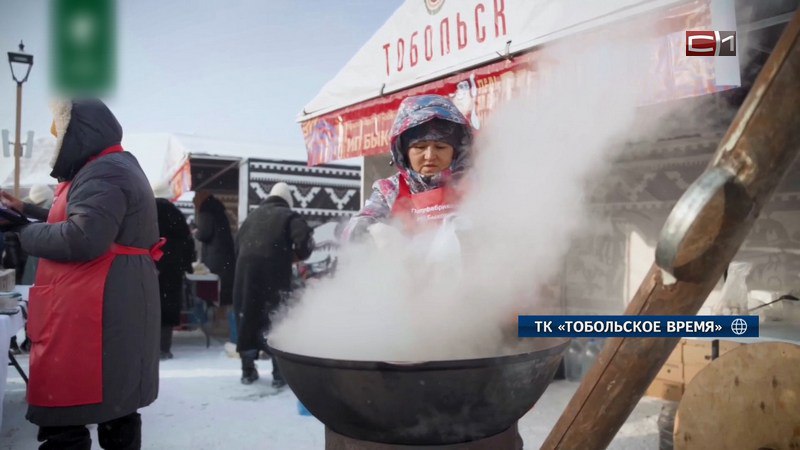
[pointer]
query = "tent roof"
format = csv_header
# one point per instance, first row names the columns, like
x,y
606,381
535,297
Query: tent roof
x,y
505,26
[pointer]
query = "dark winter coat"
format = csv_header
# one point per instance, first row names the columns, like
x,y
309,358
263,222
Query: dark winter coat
x,y
269,240
109,201
217,253
13,256
177,259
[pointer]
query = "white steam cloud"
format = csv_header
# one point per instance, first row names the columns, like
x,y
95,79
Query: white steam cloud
x,y
435,298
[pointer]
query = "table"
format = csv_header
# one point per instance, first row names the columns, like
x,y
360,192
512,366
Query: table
x,y
201,297
9,326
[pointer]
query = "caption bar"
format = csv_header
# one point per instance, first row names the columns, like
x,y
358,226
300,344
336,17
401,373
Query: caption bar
x,y
639,326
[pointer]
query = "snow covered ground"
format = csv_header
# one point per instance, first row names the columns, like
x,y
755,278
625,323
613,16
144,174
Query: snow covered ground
x,y
202,406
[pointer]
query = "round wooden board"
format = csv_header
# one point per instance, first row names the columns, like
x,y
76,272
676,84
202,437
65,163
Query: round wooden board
x,y
747,399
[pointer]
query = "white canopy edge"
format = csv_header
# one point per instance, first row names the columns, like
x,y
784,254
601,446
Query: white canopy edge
x,y
529,23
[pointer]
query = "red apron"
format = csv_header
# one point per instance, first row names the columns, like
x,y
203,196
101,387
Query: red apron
x,y
423,209
65,320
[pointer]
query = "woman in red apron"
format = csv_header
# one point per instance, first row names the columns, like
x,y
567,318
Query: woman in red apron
x,y
94,312
430,143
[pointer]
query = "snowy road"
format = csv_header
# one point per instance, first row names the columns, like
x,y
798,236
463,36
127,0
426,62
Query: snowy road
x,y
203,406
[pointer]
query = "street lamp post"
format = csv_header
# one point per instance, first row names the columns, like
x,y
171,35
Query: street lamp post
x,y
22,61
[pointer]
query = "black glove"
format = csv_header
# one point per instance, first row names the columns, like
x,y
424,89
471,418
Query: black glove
x,y
11,220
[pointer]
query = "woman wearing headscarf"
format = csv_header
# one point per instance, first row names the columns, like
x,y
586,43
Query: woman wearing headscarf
x,y
94,315
430,143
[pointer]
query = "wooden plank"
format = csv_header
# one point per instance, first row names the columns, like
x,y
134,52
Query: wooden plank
x,y
759,148
748,398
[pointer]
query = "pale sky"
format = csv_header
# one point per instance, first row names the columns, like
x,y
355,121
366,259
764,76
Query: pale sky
x,y
237,69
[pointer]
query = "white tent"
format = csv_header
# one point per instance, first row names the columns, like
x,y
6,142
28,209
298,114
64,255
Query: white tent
x,y
33,170
161,155
414,46
484,52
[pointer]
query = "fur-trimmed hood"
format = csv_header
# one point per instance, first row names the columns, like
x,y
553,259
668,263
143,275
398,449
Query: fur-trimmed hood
x,y
84,128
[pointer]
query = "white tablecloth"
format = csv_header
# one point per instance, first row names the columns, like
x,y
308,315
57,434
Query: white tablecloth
x,y
9,326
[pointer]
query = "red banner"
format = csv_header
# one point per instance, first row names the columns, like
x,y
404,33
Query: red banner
x,y
181,182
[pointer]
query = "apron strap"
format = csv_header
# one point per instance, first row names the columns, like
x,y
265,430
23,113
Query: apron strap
x,y
113,149
155,251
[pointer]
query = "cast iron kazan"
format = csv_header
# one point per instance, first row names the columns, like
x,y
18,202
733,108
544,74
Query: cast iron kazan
x,y
424,403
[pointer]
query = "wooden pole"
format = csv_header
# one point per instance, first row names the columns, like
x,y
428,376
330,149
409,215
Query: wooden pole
x,y
17,146
757,150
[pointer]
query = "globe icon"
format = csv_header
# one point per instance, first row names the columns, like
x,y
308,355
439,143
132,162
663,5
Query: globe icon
x,y
739,327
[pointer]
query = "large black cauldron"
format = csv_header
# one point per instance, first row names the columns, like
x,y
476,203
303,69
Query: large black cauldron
x,y
425,403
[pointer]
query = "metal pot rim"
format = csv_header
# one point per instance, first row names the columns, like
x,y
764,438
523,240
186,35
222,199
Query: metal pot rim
x,y
551,346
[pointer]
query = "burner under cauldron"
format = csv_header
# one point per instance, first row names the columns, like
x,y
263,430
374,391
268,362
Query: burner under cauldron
x,y
507,440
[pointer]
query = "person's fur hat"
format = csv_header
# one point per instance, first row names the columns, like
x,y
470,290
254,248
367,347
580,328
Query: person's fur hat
x,y
283,191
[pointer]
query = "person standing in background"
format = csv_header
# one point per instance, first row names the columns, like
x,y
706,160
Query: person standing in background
x,y
216,249
269,241
177,260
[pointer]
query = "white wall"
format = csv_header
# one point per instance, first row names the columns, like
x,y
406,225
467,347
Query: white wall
x,y
640,257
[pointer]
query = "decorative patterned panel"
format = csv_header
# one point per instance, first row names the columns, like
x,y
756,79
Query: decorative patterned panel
x,y
320,193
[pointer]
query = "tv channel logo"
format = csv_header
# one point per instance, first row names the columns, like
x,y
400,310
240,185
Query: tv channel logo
x,y
710,43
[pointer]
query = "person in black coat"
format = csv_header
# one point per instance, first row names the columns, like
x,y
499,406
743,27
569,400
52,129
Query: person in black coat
x,y
214,234
177,260
269,241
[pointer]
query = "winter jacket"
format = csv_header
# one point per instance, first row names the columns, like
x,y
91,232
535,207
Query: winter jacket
x,y
413,111
177,259
37,213
214,233
269,240
109,202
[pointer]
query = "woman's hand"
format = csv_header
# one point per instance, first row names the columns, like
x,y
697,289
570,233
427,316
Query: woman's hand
x,y
385,236
11,201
